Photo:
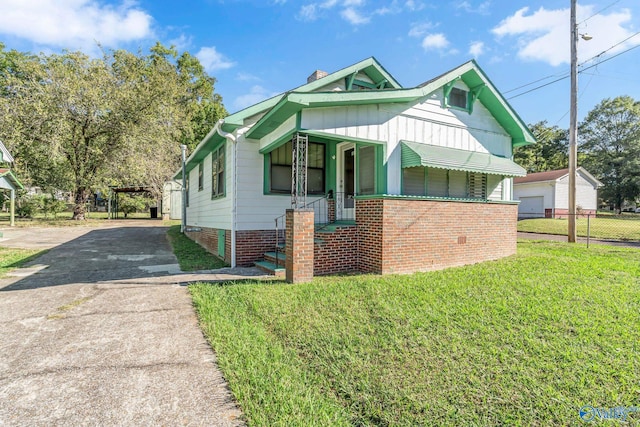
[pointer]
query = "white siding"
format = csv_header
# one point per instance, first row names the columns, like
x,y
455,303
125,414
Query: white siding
x,y
536,189
494,187
202,210
586,193
458,184
425,122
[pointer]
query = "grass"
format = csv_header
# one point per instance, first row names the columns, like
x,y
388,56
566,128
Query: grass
x,y
11,259
626,228
191,256
93,219
526,340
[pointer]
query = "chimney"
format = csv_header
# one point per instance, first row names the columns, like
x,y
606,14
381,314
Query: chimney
x,y
317,74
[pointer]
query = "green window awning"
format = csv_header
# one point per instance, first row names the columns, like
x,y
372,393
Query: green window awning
x,y
433,156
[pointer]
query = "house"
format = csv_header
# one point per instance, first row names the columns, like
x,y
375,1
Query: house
x,y
398,179
546,194
9,182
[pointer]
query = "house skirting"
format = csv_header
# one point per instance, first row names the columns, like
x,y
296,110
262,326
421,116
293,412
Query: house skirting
x,y
393,235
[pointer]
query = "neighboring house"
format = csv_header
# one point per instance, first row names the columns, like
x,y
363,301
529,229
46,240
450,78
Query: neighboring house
x,y
546,194
9,182
411,178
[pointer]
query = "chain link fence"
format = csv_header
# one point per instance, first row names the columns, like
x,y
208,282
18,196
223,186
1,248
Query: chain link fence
x,y
591,226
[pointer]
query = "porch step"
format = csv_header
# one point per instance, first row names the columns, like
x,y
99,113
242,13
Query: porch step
x,y
271,257
271,268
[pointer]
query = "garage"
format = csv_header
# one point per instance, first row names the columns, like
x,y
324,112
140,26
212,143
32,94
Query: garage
x,y
531,207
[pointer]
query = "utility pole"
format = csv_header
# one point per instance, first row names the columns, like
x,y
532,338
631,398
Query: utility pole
x,y
573,126
183,224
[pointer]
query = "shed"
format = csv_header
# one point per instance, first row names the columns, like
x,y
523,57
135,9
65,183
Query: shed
x,y
546,194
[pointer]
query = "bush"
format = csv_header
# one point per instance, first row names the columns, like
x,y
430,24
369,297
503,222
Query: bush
x,y
52,206
28,205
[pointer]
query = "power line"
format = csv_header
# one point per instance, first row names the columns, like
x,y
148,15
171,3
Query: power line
x,y
583,69
599,12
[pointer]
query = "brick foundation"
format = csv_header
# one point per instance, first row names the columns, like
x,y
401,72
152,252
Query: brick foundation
x,y
564,213
391,236
403,236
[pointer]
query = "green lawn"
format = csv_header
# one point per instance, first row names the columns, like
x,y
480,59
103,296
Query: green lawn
x,y
93,219
191,256
526,340
619,228
14,258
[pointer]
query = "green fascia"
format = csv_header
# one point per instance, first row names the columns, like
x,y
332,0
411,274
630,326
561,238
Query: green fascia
x,y
369,66
278,142
326,136
210,143
16,183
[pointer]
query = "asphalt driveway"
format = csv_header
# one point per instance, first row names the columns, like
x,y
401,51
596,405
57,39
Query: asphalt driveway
x,y
100,331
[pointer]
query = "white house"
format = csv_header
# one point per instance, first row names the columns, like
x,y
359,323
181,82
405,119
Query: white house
x,y
546,194
409,178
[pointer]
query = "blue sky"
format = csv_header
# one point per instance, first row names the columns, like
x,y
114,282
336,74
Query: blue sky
x,y
257,49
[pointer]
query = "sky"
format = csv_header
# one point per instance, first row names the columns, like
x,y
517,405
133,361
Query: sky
x,y
257,49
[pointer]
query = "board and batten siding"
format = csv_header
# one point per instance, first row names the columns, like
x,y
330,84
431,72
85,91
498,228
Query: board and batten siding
x,y
424,122
202,210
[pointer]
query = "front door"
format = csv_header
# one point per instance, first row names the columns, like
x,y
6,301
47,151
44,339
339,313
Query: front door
x,y
345,202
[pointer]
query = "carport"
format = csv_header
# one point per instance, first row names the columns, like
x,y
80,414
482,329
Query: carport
x,y
9,182
114,192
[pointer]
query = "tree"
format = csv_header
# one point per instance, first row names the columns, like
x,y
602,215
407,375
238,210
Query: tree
x,y
549,153
129,204
82,124
610,142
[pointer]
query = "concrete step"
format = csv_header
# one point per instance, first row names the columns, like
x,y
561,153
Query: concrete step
x,y
271,257
270,268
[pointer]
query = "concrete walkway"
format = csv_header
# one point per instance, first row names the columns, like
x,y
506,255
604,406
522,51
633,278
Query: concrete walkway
x,y
100,331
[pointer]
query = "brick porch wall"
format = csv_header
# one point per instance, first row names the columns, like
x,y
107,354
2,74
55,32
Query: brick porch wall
x,y
403,236
206,237
336,251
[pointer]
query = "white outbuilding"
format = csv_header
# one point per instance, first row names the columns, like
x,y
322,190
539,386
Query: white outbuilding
x,y
546,194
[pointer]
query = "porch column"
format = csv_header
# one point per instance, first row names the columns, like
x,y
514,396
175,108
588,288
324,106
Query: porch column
x,y
12,209
299,245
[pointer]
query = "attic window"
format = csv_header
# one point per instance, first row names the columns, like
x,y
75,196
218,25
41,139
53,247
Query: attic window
x,y
458,98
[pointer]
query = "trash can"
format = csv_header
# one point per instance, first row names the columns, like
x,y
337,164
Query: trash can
x,y
154,212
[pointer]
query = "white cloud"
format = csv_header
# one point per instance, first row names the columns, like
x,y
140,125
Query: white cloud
x,y
354,17
74,24
419,30
543,35
482,8
437,41
308,13
257,94
413,5
476,49
247,77
212,60
181,42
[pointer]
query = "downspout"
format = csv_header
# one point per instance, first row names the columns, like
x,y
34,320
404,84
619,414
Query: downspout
x,y
234,183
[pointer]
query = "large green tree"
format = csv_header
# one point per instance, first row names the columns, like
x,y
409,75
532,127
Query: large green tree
x,y
549,153
610,146
80,124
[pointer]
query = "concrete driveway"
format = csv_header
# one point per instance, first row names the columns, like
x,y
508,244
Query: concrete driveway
x,y
100,331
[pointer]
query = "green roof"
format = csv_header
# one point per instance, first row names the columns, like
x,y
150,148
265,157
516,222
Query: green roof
x,y
12,178
433,156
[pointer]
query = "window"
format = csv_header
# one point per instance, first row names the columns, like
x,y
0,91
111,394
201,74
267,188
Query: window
x,y
435,182
200,176
478,185
367,170
458,98
280,169
217,173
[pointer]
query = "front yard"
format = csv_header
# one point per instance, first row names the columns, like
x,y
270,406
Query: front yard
x,y
527,340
